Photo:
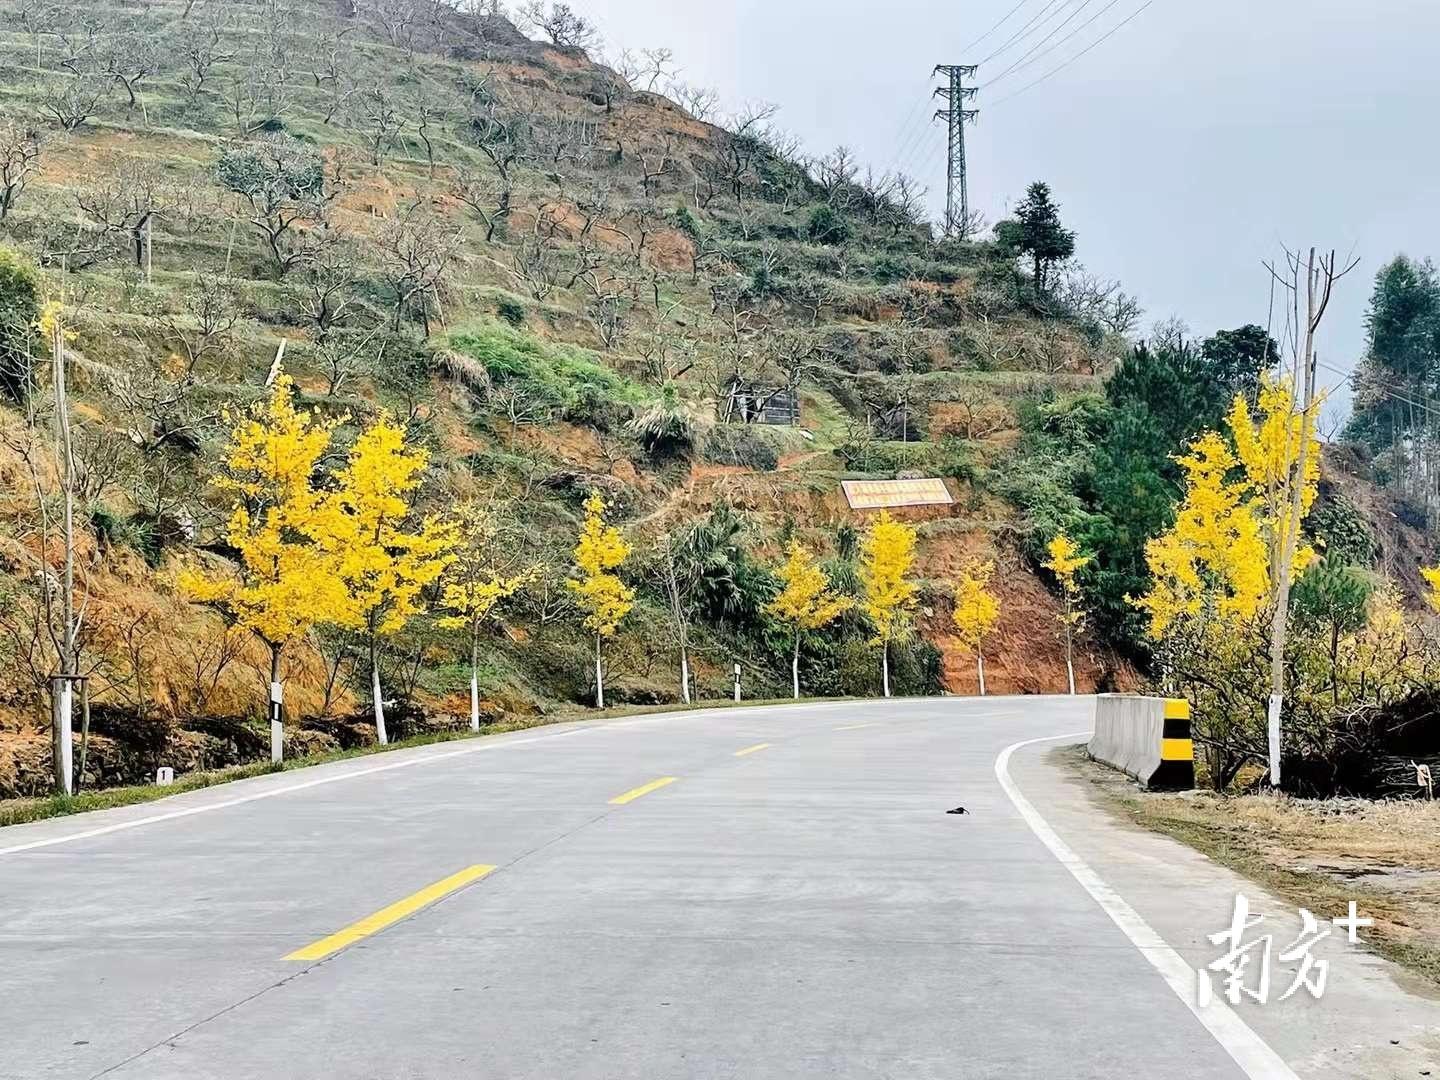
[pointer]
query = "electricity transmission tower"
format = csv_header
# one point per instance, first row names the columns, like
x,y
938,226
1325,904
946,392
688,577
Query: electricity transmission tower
x,y
957,186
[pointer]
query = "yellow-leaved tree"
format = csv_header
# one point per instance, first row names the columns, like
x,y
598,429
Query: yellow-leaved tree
x,y
806,602
285,582
602,596
887,555
976,611
1065,562
1432,578
483,576
385,556
1226,566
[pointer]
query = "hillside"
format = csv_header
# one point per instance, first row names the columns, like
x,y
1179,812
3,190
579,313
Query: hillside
x,y
558,281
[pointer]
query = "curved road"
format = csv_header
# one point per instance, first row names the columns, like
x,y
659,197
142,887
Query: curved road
x,y
791,902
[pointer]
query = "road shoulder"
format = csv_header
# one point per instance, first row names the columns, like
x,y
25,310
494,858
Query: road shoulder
x,y
1375,1021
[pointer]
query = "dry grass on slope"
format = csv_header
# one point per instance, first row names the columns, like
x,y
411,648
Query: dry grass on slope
x,y
1320,854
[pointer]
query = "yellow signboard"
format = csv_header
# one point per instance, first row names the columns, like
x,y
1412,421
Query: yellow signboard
x,y
878,494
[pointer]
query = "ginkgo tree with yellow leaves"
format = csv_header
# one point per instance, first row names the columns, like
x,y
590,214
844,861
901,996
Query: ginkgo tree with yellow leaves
x,y
282,531
887,558
384,556
805,603
977,610
603,598
1065,562
1221,573
484,574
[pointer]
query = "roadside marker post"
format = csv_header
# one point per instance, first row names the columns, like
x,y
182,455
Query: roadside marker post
x,y
277,726
737,681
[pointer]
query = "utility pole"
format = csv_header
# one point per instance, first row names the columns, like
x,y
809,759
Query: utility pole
x,y
956,93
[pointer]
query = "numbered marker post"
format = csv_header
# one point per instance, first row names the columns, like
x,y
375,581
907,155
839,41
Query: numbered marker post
x,y
737,682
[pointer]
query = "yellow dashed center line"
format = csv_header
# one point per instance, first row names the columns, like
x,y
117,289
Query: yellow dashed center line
x,y
373,924
643,789
753,749
853,727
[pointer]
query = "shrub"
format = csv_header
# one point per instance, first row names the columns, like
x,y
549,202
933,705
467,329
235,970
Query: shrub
x,y
19,308
544,380
511,310
949,457
747,446
827,226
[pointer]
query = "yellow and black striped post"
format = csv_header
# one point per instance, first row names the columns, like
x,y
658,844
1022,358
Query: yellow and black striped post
x,y
1177,750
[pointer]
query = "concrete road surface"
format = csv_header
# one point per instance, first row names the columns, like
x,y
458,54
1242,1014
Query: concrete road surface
x,y
761,894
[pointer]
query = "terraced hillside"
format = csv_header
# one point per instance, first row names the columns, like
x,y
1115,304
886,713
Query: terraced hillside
x,y
560,282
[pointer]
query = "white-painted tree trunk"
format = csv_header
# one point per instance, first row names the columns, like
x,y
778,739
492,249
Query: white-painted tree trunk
x,y
474,686
795,667
885,667
684,677
980,665
61,705
380,735
599,677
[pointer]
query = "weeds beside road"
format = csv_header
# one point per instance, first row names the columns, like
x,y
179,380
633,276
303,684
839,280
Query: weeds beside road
x,y
1318,854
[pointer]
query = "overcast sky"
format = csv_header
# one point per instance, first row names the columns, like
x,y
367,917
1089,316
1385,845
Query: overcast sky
x,y
1184,150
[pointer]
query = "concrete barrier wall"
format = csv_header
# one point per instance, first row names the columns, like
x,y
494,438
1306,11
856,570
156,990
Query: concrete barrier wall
x,y
1146,737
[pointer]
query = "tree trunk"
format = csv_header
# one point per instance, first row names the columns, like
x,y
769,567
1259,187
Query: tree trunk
x,y
599,677
84,732
885,667
60,690
474,683
1070,659
795,666
980,667
69,661
684,675
381,736
1280,616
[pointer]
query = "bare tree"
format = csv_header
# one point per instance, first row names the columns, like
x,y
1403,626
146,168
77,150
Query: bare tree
x,y
72,100
1308,280
282,182
701,102
378,120
130,57
202,48
560,23
419,246
19,158
327,66
535,262
329,280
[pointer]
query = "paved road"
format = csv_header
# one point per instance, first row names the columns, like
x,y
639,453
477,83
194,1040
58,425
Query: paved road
x,y
803,909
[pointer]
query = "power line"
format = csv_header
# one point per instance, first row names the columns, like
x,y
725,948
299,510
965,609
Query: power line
x,y
1002,22
1040,44
1024,31
1083,52
1034,58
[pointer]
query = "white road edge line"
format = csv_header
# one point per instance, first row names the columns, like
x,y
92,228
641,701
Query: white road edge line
x,y
409,762
1248,1049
